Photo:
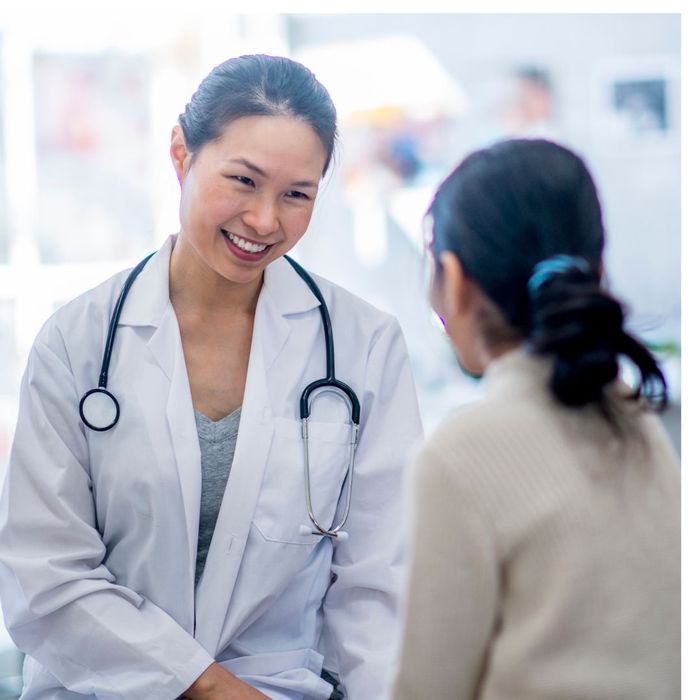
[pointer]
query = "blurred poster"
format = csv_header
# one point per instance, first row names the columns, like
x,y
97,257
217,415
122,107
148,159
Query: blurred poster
x,y
636,103
641,104
92,145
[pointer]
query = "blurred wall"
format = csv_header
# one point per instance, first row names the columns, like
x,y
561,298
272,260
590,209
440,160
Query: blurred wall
x,y
584,55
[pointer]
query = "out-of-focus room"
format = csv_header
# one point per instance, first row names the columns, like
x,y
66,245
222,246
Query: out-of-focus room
x,y
87,187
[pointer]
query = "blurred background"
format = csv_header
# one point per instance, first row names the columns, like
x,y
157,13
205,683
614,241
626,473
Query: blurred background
x,y
87,188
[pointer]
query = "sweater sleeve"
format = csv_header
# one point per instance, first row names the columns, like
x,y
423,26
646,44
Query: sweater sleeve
x,y
451,598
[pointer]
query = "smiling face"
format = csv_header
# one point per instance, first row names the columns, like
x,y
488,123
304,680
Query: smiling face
x,y
248,196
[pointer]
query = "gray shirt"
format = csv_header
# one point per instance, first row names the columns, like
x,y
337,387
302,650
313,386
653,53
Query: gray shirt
x,y
217,443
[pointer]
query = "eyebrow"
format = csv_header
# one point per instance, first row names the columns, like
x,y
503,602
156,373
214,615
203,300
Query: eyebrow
x,y
262,173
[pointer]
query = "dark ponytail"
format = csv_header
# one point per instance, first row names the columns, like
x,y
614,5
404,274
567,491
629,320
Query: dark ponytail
x,y
524,219
582,326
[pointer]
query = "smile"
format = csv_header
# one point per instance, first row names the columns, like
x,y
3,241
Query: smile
x,y
247,246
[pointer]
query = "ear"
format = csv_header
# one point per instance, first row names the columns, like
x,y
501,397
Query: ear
x,y
179,154
460,291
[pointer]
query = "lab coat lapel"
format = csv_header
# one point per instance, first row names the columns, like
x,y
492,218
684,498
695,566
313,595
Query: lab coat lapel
x,y
183,430
281,295
240,497
148,304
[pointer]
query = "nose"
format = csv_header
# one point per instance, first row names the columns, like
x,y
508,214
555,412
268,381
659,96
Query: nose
x,y
262,216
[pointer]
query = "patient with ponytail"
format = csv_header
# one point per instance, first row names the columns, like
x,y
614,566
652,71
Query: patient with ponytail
x,y
545,517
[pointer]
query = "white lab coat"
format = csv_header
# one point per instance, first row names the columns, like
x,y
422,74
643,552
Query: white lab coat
x,y
98,530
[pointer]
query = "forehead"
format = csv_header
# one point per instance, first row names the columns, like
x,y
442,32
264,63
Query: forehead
x,y
273,143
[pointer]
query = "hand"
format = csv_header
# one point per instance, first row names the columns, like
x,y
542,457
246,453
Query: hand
x,y
216,683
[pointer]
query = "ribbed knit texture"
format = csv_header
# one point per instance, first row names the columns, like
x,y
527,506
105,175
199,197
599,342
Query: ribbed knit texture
x,y
545,562
217,444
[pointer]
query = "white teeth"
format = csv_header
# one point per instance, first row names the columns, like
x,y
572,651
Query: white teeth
x,y
245,245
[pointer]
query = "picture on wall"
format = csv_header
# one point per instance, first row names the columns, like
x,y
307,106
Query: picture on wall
x,y
634,103
642,104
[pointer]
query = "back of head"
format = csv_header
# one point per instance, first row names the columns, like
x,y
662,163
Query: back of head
x,y
524,219
258,85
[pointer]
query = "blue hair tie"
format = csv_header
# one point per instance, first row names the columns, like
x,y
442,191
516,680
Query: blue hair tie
x,y
556,265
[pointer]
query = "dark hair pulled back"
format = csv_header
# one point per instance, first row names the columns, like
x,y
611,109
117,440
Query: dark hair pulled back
x,y
258,85
524,219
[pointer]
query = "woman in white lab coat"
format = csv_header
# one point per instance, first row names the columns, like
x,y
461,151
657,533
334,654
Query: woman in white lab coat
x,y
101,531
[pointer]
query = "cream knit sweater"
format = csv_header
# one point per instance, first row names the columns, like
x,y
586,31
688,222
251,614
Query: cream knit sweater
x,y
545,561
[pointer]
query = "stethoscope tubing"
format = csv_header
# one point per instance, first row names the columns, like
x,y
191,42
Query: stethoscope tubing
x,y
114,321
328,382
330,379
320,530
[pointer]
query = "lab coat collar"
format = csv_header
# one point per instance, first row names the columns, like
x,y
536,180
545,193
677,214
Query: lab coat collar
x,y
149,298
286,290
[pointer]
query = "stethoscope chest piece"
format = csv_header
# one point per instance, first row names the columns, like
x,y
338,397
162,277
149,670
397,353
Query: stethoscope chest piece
x,y
99,409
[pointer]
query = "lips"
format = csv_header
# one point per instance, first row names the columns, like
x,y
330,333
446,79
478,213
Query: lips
x,y
243,244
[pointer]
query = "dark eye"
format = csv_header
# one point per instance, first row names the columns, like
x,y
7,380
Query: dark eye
x,y
243,180
294,194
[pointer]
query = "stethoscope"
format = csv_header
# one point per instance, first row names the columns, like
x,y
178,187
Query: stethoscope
x,y
99,408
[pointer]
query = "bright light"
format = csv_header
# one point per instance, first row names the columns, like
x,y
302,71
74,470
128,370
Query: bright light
x,y
397,71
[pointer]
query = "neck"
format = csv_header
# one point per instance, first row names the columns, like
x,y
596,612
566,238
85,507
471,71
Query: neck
x,y
490,353
196,288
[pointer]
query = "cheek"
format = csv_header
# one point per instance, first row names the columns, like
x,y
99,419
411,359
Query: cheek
x,y
189,197
435,299
296,222
189,216
206,207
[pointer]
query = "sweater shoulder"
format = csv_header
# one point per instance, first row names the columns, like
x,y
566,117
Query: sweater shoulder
x,y
490,420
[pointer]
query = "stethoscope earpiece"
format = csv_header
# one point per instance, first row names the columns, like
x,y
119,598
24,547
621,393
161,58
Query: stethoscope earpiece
x,y
99,409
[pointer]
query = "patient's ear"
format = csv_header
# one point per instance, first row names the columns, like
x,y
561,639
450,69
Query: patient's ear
x,y
460,291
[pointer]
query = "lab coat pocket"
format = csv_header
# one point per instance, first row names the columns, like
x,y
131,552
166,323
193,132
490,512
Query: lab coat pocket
x,y
281,508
